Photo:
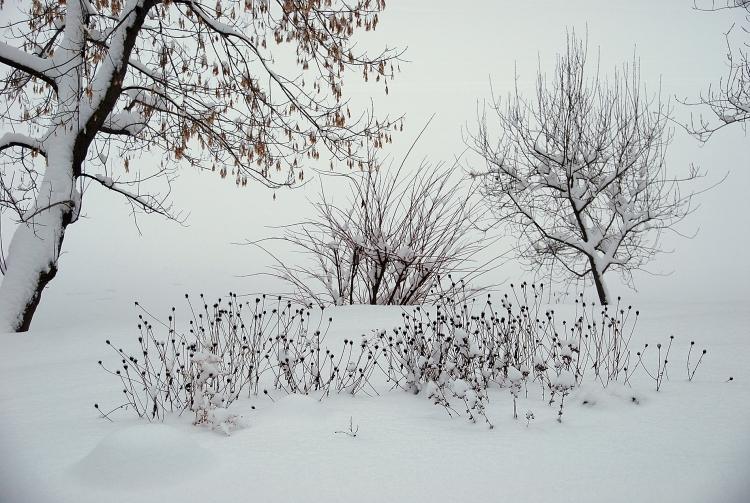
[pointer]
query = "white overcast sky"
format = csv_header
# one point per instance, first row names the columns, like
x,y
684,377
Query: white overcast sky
x,y
454,51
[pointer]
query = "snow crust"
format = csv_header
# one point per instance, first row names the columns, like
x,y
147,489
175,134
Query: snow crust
x,y
142,455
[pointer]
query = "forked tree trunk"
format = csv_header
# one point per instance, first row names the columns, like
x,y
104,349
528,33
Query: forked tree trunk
x,y
35,248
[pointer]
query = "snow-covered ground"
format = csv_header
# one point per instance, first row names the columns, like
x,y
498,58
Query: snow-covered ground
x,y
690,442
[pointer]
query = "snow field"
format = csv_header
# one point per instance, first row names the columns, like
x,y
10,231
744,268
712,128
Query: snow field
x,y
689,442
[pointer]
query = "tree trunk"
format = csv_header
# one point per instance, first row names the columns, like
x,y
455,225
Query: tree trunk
x,y
35,248
601,287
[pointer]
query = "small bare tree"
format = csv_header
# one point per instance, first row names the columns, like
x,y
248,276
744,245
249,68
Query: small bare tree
x,y
392,243
579,173
729,99
90,85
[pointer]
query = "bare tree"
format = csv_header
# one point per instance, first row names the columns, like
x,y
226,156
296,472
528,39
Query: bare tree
x,y
729,99
394,240
93,84
579,172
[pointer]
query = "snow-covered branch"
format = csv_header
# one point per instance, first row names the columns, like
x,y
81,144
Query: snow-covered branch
x,y
107,83
30,64
9,140
126,122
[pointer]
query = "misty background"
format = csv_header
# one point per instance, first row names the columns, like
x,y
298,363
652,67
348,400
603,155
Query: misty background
x,y
456,54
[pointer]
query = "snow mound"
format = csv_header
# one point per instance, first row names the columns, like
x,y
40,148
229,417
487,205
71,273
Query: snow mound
x,y
142,455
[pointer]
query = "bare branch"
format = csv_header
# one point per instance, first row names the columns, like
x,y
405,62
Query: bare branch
x,y
729,99
147,202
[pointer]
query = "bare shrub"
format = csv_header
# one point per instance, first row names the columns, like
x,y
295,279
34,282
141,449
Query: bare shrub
x,y
454,353
230,348
397,235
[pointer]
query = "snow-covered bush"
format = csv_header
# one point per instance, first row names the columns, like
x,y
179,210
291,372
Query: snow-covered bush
x,y
390,243
560,386
230,348
457,351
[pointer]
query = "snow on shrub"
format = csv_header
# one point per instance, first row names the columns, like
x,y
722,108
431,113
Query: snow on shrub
x,y
232,348
454,353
